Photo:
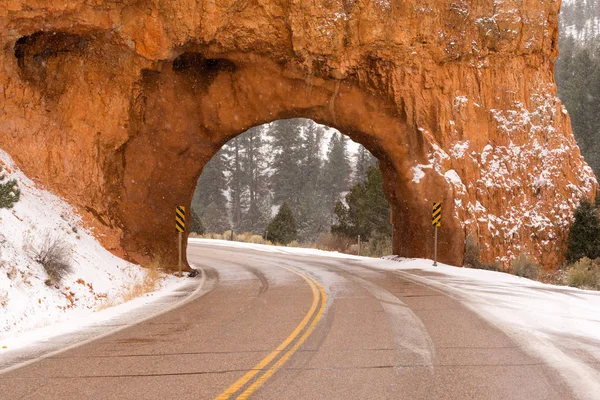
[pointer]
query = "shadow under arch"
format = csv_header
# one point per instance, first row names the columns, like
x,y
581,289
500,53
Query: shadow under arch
x,y
186,109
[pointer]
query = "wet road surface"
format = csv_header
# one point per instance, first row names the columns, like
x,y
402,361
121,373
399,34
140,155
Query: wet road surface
x,y
279,326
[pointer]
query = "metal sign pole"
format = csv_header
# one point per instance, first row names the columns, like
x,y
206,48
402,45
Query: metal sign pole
x,y
180,253
180,228
435,248
358,245
436,221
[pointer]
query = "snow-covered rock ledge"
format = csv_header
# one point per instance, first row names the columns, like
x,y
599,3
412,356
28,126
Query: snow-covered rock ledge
x,y
98,279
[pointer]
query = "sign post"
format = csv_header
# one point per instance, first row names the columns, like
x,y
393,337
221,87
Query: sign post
x,y
436,221
358,245
180,227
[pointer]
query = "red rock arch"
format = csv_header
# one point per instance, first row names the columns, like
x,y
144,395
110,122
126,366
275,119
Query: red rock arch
x,y
193,105
99,103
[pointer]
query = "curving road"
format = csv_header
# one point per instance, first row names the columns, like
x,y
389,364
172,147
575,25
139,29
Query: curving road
x,y
277,326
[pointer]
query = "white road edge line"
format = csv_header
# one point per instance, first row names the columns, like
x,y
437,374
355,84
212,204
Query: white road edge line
x,y
189,298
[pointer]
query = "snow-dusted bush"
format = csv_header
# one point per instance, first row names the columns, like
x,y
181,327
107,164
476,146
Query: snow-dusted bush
x,y
584,274
54,254
9,191
471,257
525,267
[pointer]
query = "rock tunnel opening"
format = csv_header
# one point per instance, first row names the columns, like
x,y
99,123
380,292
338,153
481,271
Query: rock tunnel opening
x,y
331,186
182,111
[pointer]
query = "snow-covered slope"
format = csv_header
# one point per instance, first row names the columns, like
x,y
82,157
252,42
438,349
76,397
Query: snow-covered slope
x,y
97,279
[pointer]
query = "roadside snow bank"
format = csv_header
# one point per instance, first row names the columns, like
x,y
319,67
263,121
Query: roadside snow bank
x,y
559,325
97,278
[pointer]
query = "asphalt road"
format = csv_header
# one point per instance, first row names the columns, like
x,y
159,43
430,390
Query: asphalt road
x,y
276,326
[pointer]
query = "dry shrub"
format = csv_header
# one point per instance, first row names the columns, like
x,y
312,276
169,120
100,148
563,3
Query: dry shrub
x,y
149,284
227,235
524,266
378,246
54,253
257,239
472,257
584,274
333,242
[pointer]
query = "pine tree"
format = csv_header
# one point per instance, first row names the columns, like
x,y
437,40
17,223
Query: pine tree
x,y
255,215
237,189
282,229
335,172
310,157
286,148
196,224
209,201
584,234
366,211
9,191
364,161
579,15
312,213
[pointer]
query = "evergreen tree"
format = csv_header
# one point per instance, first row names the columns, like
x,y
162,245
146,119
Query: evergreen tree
x,y
209,201
584,234
335,172
237,189
213,219
9,193
310,157
577,73
579,15
366,212
282,229
286,147
196,223
313,214
364,162
255,216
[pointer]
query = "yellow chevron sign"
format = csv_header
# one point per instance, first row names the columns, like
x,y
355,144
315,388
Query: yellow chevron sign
x,y
180,219
436,215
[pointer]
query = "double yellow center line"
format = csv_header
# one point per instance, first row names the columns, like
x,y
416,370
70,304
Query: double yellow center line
x,y
262,371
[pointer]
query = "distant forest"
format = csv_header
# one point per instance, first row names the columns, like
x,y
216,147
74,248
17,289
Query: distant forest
x,y
297,162
577,73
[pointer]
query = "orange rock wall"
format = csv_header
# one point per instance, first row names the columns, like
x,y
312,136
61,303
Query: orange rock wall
x,y
116,106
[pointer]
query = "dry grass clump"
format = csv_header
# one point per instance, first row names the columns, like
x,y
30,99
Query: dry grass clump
x,y
54,253
150,283
472,257
332,242
584,274
524,266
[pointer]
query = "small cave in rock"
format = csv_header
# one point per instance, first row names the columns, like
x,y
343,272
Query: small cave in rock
x,y
35,52
200,70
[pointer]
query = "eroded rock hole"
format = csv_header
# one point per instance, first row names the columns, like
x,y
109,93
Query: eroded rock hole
x,y
200,70
39,57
